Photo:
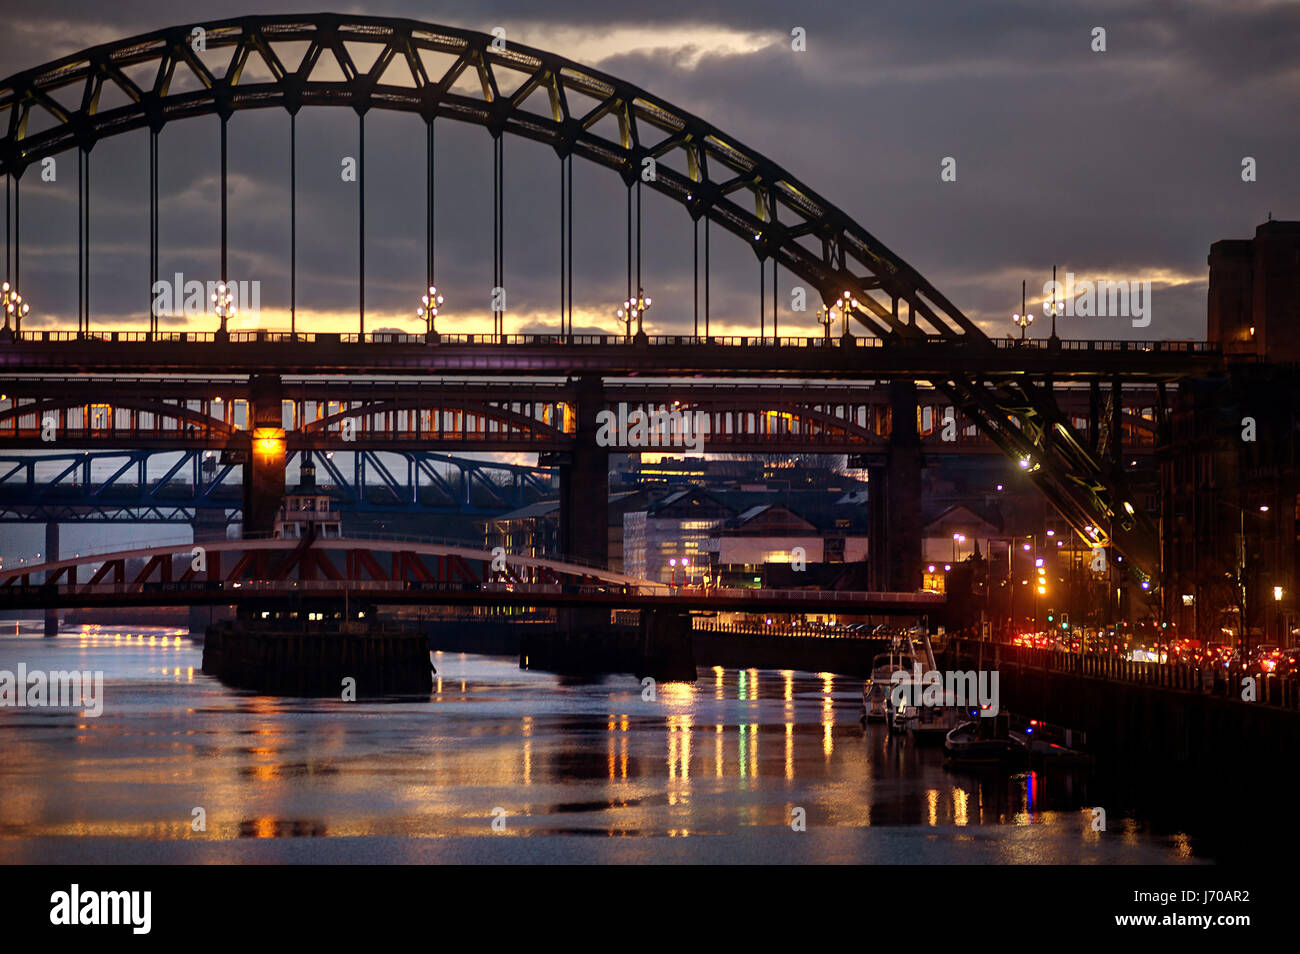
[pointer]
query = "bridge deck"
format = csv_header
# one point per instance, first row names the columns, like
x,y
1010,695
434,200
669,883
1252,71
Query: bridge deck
x,y
283,593
608,355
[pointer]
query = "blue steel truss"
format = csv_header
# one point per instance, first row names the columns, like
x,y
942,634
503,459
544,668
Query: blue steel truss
x,y
147,486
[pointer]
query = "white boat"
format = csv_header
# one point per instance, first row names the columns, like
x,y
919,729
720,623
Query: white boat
x,y
982,740
876,701
930,725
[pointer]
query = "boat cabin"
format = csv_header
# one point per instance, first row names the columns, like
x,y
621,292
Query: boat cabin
x,y
307,508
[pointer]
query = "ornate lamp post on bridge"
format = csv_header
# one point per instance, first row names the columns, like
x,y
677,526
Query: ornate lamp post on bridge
x,y
1051,308
222,301
1022,317
844,303
428,310
825,318
14,307
635,308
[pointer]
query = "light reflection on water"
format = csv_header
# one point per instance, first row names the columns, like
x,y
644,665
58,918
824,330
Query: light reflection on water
x,y
721,764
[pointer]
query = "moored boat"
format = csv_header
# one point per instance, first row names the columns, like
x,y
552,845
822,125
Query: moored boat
x,y
931,724
876,694
982,740
1049,744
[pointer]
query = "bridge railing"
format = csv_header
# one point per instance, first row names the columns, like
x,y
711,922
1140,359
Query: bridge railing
x,y
611,340
812,596
1088,344
502,587
237,588
1225,681
801,632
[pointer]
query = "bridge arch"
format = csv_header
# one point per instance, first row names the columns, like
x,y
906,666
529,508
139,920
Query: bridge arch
x,y
185,416
509,420
524,92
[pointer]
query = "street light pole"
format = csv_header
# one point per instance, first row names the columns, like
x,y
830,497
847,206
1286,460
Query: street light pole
x,y
1022,317
222,300
635,308
428,310
845,302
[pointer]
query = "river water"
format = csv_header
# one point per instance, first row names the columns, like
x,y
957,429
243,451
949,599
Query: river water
x,y
501,765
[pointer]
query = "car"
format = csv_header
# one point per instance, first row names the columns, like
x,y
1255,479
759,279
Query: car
x,y
1288,663
1263,659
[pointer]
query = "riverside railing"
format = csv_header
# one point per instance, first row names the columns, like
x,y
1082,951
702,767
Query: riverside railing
x,y
1281,690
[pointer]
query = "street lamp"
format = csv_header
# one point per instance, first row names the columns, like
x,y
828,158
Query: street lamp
x,y
956,539
825,318
222,301
1022,317
1052,308
428,310
635,308
844,303
14,307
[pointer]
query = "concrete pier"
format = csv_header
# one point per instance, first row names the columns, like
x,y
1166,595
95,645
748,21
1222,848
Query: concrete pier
x,y
660,648
316,662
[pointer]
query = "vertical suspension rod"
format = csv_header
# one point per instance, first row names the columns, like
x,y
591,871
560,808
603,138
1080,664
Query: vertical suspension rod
x,y
81,241
629,244
153,226
706,276
695,274
293,224
563,235
569,306
361,224
429,202
224,219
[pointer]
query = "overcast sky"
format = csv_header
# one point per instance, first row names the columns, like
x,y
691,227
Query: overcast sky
x,y
1122,165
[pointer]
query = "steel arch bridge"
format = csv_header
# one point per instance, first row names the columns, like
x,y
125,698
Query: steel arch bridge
x,y
441,72
388,572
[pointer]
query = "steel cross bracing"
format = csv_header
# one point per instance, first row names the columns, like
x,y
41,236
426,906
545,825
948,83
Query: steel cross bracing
x,y
162,486
151,79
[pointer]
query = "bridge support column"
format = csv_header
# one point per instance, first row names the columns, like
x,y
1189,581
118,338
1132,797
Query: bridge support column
x,y
903,491
264,467
584,500
661,647
207,525
584,484
50,555
667,646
